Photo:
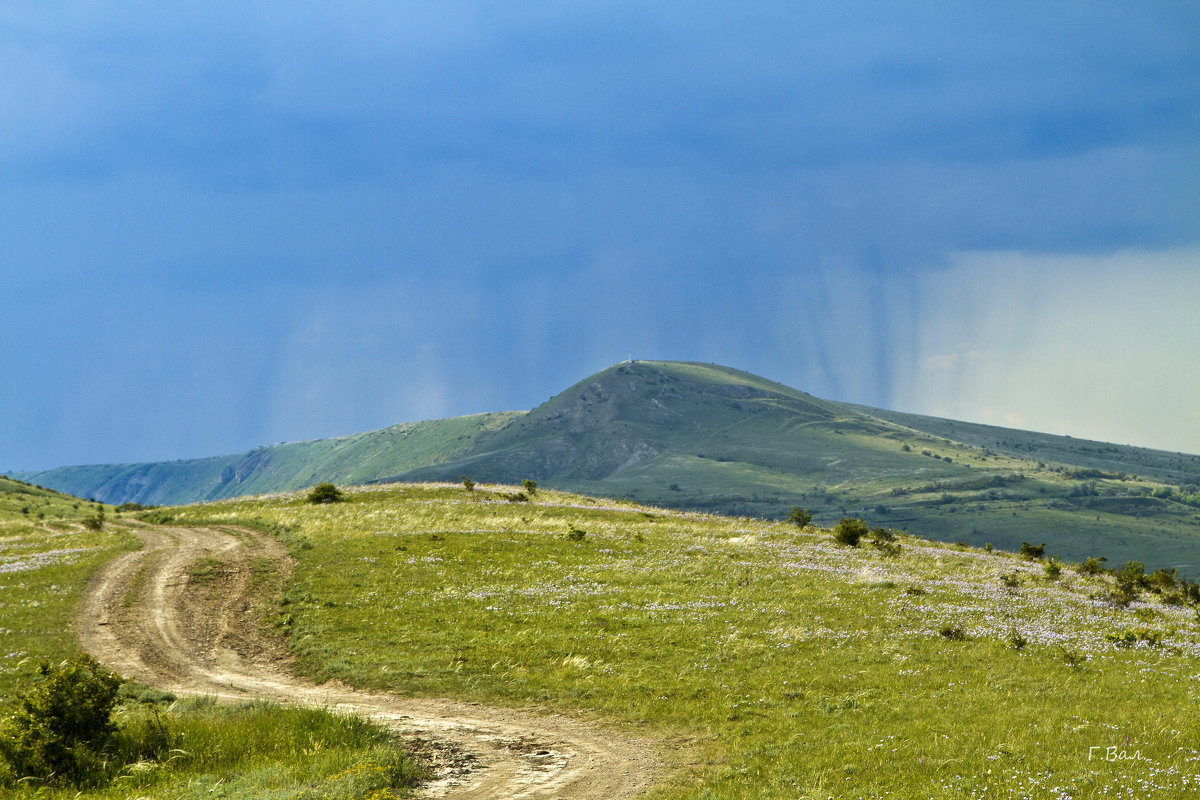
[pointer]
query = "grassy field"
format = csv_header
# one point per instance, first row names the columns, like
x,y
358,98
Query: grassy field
x,y
770,661
205,750
710,438
46,558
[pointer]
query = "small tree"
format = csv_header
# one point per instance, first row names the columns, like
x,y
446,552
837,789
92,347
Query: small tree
x,y
95,522
61,725
324,493
800,517
467,483
1032,551
849,531
530,487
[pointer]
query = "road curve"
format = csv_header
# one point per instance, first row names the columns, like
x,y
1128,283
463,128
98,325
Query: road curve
x,y
145,618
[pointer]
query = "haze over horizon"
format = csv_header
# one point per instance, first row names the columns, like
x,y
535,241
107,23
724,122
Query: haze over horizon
x,y
224,225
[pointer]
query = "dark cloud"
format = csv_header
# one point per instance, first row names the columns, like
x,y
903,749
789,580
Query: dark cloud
x,y
503,199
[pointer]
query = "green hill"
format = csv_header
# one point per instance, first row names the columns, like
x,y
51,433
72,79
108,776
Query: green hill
x,y
766,660
293,465
711,438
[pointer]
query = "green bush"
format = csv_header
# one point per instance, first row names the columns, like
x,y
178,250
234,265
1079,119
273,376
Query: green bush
x,y
800,517
1031,551
530,487
95,522
1129,638
849,531
1162,579
954,633
325,493
885,542
467,483
62,725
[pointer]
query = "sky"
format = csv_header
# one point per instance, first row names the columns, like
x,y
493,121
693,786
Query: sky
x,y
228,224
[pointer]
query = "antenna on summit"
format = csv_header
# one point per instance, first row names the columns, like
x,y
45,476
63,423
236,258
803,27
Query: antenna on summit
x,y
630,361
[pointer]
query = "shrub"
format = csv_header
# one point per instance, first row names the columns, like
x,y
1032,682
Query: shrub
x,y
516,497
324,493
849,531
530,487
1053,569
1092,565
1017,641
95,522
62,724
1033,551
576,534
1131,575
1072,658
885,542
1011,580
954,633
800,517
1162,579
468,484
1129,638
1121,595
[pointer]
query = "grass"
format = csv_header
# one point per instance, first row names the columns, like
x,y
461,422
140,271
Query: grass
x,y
46,558
710,438
291,465
247,751
776,663
250,750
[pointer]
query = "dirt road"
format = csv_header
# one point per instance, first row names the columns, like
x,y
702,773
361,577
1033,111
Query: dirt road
x,y
152,615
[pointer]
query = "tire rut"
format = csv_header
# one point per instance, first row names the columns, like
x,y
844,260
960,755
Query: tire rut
x,y
147,618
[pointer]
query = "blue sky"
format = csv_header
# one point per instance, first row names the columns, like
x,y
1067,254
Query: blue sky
x,y
230,224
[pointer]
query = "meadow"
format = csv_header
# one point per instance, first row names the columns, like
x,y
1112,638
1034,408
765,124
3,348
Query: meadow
x,y
710,438
770,661
165,747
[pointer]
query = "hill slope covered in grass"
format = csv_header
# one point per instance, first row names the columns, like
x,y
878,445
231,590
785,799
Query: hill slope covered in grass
x,y
51,547
292,465
705,437
771,661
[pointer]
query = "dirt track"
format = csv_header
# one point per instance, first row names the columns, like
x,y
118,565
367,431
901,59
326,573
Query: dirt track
x,y
145,618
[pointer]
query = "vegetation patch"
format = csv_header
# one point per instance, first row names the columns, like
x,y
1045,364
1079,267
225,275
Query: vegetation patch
x,y
791,665
80,727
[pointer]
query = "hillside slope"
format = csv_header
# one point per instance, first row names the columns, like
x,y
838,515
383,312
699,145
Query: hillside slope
x,y
706,437
770,661
711,438
293,465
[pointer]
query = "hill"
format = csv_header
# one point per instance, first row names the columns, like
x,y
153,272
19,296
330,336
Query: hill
x,y
706,437
293,465
712,438
769,661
